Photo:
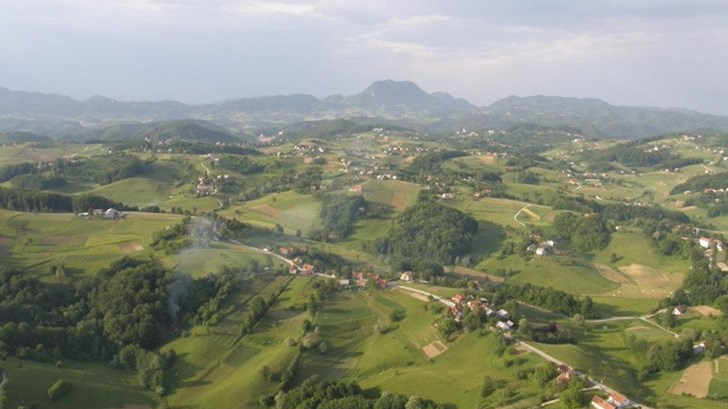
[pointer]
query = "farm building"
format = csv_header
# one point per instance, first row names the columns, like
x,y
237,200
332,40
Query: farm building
x,y
679,310
406,276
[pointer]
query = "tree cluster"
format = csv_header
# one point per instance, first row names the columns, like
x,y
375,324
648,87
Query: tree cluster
x,y
338,214
429,230
314,393
584,233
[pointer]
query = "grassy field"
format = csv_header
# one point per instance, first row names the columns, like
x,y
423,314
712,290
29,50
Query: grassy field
x,y
201,261
394,194
46,152
36,241
218,369
395,362
94,385
719,382
291,210
501,211
563,273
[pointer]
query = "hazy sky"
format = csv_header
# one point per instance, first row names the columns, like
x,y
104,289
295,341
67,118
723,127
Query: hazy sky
x,y
634,52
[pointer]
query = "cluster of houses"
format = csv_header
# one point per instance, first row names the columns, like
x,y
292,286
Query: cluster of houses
x,y
483,193
712,246
109,214
461,302
615,400
361,279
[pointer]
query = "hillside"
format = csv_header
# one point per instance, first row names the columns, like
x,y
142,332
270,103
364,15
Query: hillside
x,y
598,118
401,103
180,130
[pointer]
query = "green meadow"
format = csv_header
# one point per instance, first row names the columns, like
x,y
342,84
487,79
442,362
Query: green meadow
x,y
37,241
94,385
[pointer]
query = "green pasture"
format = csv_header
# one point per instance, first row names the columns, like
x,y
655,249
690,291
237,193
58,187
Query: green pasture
x,y
46,152
394,194
719,383
394,361
93,385
291,210
201,261
216,368
35,241
563,273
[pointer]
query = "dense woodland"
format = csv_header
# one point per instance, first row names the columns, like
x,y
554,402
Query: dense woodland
x,y
428,228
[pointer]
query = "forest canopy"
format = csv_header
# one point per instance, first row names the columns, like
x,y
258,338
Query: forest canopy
x,y
430,229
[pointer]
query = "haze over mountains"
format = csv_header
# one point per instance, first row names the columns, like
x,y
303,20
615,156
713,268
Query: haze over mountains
x,y
395,102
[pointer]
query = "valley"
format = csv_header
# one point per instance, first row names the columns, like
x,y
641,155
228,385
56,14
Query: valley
x,y
292,264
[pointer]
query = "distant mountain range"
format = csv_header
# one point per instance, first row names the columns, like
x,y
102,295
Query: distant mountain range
x,y
397,102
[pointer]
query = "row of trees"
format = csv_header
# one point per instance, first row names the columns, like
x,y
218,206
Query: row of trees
x,y
46,202
547,297
314,393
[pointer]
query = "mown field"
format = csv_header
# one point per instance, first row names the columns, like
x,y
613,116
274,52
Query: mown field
x,y
394,361
37,241
94,385
217,368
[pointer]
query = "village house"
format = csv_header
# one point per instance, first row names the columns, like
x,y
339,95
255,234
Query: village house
x,y
566,375
704,242
113,214
308,269
598,402
505,326
503,314
344,283
542,251
618,400
97,212
406,276
679,310
458,298
473,304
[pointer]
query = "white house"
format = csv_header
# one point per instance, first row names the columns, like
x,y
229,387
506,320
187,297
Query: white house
x,y
704,242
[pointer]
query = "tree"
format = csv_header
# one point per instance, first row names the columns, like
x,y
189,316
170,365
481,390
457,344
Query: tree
x,y
415,402
578,320
571,397
58,390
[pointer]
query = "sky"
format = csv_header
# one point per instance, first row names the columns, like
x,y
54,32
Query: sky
x,y
665,53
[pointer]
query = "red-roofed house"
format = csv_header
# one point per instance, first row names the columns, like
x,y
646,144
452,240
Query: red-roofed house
x,y
598,403
458,298
308,269
618,400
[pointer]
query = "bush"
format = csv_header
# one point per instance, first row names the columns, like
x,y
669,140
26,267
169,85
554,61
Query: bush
x,y
58,390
